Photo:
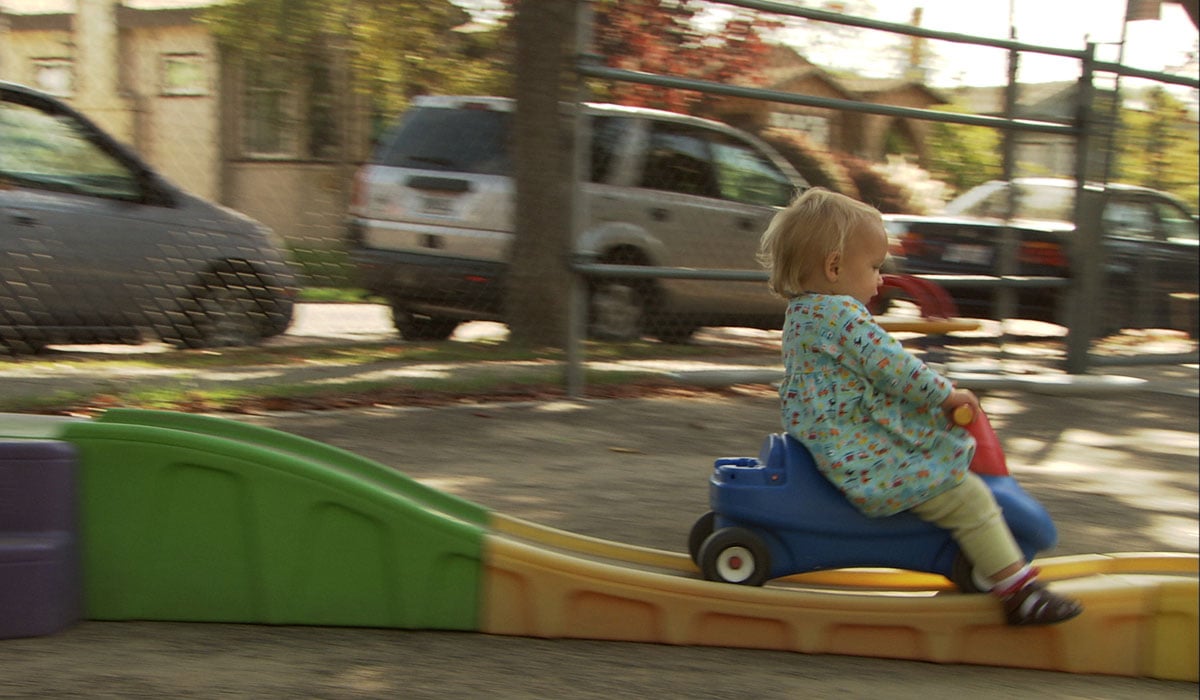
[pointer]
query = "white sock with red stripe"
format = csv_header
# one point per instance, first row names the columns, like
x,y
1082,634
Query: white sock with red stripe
x,y
1011,584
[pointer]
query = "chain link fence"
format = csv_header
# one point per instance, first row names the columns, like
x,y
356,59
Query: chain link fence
x,y
411,202
1129,260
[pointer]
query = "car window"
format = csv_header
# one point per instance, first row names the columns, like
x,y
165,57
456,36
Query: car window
x,y
677,160
1047,203
54,152
992,206
1177,224
746,175
1129,219
607,133
459,140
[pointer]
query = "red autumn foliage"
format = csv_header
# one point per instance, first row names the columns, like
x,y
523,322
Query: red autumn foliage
x,y
663,37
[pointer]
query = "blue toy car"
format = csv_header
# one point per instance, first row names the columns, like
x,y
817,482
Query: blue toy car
x,y
777,515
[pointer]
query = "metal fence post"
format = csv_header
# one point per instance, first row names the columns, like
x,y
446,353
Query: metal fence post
x,y
1087,248
577,307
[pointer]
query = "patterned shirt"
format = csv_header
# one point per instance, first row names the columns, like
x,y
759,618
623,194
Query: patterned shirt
x,y
867,409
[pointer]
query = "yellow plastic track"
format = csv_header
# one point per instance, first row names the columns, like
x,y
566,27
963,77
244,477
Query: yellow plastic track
x,y
1140,618
925,325
1055,569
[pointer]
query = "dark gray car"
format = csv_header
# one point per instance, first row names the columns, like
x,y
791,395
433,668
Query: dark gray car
x,y
1150,248
97,247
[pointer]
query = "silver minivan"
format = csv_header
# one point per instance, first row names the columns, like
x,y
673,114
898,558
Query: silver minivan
x,y
95,246
431,224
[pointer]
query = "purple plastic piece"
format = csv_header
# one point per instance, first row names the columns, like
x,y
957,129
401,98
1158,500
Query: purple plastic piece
x,y
40,586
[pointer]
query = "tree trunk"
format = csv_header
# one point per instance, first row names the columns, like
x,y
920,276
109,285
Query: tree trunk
x,y
539,281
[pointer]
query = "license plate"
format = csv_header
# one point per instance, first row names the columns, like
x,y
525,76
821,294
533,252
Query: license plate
x,y
436,205
964,253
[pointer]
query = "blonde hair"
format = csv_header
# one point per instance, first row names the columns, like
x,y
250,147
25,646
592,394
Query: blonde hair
x,y
802,235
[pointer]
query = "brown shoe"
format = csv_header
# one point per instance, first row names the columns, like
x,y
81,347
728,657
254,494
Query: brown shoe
x,y
1034,604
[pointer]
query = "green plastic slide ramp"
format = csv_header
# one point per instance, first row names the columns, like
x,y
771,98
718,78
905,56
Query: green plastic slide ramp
x,y
308,450
187,526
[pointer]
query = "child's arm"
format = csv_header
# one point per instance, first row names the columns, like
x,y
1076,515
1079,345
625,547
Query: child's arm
x,y
961,397
890,367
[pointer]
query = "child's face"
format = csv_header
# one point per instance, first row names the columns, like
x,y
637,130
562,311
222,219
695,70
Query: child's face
x,y
857,271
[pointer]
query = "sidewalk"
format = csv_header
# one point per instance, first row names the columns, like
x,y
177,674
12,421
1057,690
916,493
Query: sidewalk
x,y
34,380
974,360
40,382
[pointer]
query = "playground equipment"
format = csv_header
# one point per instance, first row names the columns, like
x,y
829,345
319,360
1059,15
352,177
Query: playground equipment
x,y
193,518
778,515
39,558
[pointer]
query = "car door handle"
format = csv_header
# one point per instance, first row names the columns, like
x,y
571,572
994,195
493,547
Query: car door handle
x,y
659,214
747,224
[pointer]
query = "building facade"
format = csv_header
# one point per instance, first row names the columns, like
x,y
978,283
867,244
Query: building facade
x,y
281,144
151,73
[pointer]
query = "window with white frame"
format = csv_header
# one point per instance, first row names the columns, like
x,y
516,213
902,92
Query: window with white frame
x,y
183,74
55,76
817,128
289,110
267,110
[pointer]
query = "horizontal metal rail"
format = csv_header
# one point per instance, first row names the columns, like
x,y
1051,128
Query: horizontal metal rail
x,y
604,270
781,8
587,268
590,68
1015,281
939,35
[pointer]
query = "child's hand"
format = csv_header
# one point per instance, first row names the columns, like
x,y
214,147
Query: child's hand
x,y
961,397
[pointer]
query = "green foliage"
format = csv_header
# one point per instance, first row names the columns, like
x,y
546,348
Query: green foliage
x,y
961,155
1158,147
391,50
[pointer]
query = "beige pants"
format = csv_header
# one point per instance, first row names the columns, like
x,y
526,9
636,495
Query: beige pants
x,y
970,513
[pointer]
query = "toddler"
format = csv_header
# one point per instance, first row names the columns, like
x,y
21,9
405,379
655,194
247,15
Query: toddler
x,y
873,415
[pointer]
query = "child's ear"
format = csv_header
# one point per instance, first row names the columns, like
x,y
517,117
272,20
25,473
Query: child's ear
x,y
833,265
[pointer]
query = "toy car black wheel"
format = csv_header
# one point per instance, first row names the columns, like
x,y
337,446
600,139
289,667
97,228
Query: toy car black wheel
x,y
962,575
735,555
700,532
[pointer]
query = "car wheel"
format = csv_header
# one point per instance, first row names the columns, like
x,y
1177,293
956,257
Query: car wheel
x,y
616,311
414,326
673,332
735,555
222,312
701,529
14,341
962,574
10,345
1118,312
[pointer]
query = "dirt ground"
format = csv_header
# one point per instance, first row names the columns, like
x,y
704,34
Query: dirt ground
x,y
1116,473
